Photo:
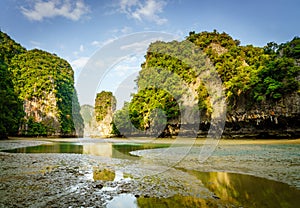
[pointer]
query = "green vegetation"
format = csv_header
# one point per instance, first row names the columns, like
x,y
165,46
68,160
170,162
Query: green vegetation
x,y
11,108
43,83
256,74
38,96
105,102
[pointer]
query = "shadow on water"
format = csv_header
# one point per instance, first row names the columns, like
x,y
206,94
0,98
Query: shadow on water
x,y
112,150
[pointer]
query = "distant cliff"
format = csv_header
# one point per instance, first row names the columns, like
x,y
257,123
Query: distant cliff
x,y
98,118
44,84
105,106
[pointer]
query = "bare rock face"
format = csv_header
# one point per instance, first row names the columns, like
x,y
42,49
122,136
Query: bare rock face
x,y
44,111
104,126
277,119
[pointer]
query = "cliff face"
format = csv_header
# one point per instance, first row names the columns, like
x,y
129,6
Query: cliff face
x,y
261,86
105,105
44,83
43,112
268,119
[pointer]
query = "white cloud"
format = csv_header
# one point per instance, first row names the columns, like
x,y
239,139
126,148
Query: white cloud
x,y
138,46
81,48
148,10
95,43
72,10
122,70
100,44
79,63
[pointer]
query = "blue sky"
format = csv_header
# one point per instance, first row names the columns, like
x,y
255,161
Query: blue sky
x,y
75,30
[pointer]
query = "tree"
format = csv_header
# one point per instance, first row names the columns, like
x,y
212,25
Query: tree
x,y
11,108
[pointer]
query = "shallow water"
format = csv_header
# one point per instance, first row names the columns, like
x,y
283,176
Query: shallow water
x,y
249,191
237,190
105,149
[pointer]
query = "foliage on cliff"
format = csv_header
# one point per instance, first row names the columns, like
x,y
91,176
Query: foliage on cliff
x,y
105,102
44,84
256,74
11,109
260,74
38,74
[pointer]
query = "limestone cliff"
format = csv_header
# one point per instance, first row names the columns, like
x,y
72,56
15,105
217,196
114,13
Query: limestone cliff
x,y
105,105
272,119
44,83
260,87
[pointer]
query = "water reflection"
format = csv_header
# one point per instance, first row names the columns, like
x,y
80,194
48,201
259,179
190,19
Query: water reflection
x,y
123,201
103,175
176,201
112,150
249,191
98,149
49,148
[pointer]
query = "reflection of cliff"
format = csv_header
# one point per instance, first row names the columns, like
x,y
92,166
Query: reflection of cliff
x,y
249,191
98,149
103,175
50,148
175,201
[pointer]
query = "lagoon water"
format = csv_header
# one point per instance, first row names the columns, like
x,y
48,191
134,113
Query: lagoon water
x,y
105,149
